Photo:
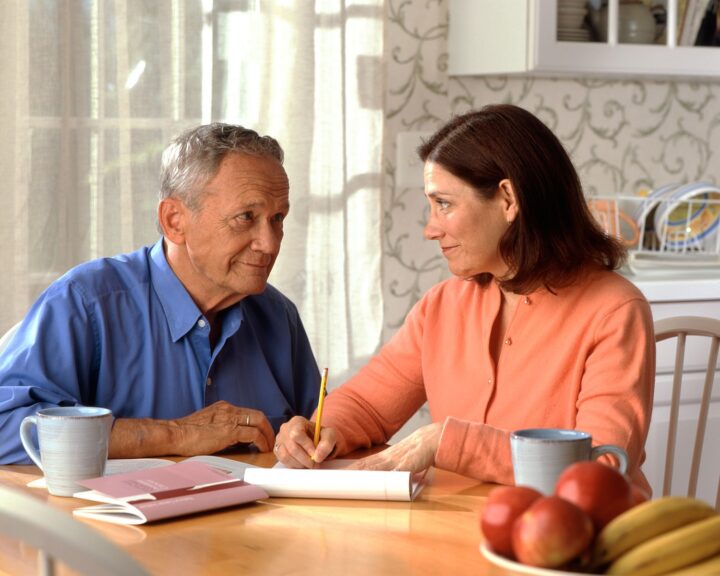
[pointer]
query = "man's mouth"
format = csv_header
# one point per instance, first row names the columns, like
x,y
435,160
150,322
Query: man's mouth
x,y
260,266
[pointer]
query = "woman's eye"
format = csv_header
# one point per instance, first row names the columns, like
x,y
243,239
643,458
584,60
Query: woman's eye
x,y
442,203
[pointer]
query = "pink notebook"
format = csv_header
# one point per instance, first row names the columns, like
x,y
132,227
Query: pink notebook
x,y
165,492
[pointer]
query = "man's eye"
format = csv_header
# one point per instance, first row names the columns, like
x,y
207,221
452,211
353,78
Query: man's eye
x,y
279,217
245,217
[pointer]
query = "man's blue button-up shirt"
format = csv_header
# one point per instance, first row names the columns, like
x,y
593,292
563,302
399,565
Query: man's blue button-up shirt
x,y
123,333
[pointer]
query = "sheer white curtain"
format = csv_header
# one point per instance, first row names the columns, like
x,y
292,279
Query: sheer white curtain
x,y
92,90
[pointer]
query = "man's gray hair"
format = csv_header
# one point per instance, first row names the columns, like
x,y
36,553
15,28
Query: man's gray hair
x,y
193,158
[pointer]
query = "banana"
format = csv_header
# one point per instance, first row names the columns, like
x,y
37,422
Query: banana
x,y
645,521
675,549
709,567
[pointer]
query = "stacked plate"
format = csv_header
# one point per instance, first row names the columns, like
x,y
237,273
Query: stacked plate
x,y
679,225
571,16
683,218
690,215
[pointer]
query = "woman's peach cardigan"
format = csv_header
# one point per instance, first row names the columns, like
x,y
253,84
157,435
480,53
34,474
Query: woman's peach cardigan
x,y
581,358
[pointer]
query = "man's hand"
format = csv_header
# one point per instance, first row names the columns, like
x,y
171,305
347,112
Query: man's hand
x,y
221,425
414,453
294,446
206,431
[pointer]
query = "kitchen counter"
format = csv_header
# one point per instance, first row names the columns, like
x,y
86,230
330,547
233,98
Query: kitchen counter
x,y
673,287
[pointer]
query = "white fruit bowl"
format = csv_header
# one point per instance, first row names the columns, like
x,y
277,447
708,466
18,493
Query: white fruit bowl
x,y
508,564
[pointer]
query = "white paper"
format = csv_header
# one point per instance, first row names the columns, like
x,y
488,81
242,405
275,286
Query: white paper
x,y
334,482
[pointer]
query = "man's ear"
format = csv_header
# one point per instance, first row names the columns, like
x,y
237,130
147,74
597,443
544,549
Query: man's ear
x,y
509,200
172,216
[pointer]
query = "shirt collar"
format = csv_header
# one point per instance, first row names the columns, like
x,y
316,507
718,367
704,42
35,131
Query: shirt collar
x,y
180,310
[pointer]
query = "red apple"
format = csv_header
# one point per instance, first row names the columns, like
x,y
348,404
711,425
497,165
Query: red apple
x,y
503,506
602,491
551,533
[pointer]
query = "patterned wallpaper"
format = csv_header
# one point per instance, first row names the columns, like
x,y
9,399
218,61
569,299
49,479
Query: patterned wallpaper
x,y
623,135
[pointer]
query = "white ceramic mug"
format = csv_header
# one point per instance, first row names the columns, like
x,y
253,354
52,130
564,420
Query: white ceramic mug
x,y
73,444
539,455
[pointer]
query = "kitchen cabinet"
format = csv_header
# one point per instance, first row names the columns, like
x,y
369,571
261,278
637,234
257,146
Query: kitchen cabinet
x,y
520,37
670,296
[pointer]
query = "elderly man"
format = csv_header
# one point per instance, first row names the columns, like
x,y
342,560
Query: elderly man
x,y
184,341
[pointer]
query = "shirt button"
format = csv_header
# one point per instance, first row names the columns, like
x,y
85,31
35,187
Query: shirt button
x,y
508,341
209,382
527,300
489,380
201,323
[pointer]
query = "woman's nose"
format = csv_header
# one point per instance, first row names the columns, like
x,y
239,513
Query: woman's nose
x,y
431,231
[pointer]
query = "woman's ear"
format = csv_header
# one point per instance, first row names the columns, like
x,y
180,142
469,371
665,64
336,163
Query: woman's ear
x,y
509,200
172,214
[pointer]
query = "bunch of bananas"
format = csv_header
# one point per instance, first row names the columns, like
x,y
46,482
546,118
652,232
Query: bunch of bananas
x,y
669,535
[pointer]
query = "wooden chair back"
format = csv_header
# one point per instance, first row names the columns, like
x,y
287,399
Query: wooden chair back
x,y
680,327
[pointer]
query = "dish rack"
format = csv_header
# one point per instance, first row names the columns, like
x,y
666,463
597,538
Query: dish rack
x,y
671,229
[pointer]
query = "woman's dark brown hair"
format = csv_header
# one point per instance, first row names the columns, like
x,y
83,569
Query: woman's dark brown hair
x,y
554,236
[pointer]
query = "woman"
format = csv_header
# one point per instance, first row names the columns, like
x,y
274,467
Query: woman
x,y
534,330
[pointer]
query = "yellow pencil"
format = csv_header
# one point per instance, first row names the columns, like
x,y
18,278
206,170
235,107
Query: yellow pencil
x,y
321,401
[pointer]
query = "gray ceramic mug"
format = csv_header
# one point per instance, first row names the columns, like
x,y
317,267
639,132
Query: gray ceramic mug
x,y
73,444
539,455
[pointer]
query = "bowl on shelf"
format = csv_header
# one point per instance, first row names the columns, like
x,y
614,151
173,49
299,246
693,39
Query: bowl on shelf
x,y
572,4
571,17
573,34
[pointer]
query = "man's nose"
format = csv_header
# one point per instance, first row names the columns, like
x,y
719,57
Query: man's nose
x,y
268,238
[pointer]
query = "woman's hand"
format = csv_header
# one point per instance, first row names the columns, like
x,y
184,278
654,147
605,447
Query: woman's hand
x,y
414,453
294,445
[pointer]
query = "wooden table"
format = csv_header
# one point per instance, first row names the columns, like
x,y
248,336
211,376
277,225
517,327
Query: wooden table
x,y
436,534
